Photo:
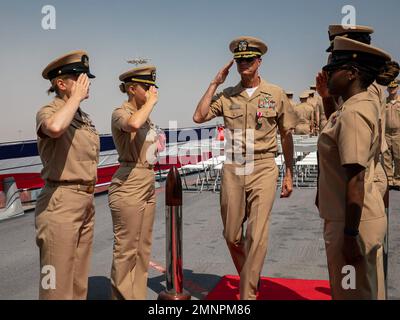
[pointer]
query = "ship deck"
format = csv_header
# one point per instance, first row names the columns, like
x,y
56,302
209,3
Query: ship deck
x,y
296,248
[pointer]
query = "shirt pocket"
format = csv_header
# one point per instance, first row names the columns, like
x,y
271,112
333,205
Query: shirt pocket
x,y
233,119
268,119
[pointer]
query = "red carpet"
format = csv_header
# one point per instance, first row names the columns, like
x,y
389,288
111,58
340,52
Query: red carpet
x,y
274,289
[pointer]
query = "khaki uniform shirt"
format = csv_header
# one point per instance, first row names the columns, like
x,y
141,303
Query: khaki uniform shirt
x,y
293,104
313,102
378,93
74,156
305,114
351,136
392,115
260,115
138,147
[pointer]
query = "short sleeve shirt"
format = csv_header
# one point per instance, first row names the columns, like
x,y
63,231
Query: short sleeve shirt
x,y
255,120
305,113
73,157
351,136
392,110
133,147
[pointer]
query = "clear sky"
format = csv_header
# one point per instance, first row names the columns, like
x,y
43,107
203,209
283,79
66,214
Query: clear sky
x,y
186,40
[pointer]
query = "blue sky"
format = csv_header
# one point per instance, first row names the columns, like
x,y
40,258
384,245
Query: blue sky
x,y
186,40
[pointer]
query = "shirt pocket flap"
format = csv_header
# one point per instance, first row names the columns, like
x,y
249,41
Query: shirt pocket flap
x,y
234,114
268,113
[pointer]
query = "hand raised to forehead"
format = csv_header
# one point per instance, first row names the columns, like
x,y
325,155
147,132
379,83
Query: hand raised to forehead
x,y
80,87
223,73
152,95
322,84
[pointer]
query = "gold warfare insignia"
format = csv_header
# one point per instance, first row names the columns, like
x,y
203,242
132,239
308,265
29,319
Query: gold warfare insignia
x,y
266,102
242,46
85,61
153,75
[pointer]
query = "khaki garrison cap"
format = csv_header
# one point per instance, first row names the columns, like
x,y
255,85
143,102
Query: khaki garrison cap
x,y
247,47
145,75
359,33
75,62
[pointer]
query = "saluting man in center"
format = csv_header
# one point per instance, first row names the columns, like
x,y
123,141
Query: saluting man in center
x,y
253,110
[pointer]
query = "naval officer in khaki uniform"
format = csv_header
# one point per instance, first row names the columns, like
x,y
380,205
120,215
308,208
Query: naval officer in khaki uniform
x,y
305,115
68,145
392,135
290,94
330,104
319,115
253,112
348,199
132,192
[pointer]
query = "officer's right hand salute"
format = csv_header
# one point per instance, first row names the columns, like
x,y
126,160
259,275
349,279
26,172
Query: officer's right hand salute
x,y
322,84
80,88
152,95
202,111
222,74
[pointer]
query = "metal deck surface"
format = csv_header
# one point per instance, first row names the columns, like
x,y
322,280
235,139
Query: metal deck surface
x,y
296,247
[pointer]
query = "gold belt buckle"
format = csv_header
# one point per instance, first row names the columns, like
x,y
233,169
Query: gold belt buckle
x,y
90,189
85,188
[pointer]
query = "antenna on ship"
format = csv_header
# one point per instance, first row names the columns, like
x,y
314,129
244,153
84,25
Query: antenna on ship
x,y
139,61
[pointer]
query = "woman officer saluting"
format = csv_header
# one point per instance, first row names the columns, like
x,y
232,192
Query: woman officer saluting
x,y
349,201
68,146
132,193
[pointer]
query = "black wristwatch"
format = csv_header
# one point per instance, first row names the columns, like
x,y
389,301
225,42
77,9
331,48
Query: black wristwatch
x,y
351,232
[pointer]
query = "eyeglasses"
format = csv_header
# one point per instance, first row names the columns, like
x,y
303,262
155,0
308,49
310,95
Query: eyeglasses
x,y
247,60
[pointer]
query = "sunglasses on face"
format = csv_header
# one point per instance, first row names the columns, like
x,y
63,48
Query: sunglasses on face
x,y
331,71
247,60
145,87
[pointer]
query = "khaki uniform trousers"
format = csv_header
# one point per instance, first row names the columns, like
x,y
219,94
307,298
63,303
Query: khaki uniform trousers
x,y
370,279
133,202
64,234
248,198
392,155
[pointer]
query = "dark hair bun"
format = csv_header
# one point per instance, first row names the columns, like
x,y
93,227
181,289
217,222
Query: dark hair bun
x,y
51,90
122,87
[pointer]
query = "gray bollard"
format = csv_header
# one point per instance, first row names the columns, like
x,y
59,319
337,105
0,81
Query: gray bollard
x,y
13,206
